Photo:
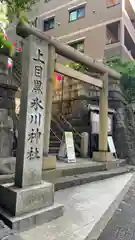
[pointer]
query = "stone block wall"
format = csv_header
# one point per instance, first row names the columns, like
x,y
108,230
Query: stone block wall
x,y
124,133
123,125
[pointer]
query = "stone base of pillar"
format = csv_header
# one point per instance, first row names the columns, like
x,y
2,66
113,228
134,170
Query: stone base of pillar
x,y
28,206
103,156
49,162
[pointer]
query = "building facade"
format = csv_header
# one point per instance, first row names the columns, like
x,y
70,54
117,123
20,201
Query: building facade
x,y
100,29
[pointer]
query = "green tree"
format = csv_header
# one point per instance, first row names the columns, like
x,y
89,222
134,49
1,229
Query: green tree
x,y
127,71
10,10
78,67
18,8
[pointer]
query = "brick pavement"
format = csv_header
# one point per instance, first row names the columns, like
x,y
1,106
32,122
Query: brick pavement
x,y
122,224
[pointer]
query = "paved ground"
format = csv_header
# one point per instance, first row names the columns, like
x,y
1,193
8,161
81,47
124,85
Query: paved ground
x,y
122,224
84,207
7,234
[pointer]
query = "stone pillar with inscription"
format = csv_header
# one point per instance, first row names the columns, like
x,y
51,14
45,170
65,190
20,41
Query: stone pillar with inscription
x,y
31,199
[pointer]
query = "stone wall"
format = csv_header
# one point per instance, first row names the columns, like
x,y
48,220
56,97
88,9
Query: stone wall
x,y
124,124
124,133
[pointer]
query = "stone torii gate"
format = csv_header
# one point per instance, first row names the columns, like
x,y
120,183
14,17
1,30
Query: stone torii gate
x,y
64,50
31,199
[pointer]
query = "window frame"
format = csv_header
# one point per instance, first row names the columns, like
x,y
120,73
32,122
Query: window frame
x,y
77,13
47,20
72,44
109,5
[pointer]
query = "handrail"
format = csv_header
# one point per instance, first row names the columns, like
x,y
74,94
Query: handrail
x,y
70,125
60,128
55,135
76,146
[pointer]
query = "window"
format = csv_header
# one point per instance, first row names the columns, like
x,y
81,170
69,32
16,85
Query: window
x,y
112,3
49,24
76,14
78,45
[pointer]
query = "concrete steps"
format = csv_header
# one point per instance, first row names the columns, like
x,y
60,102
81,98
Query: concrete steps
x,y
69,175
73,175
80,179
72,169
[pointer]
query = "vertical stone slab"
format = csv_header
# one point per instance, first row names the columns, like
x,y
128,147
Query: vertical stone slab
x,y
32,110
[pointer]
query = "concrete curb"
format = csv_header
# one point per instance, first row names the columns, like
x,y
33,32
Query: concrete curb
x,y
99,227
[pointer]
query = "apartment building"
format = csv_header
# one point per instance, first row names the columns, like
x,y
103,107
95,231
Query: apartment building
x,y
99,28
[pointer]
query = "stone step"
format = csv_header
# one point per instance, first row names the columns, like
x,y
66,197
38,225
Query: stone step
x,y
55,143
53,149
71,170
79,179
33,219
53,137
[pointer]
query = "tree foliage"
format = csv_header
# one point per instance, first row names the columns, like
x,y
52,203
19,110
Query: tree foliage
x,y
18,8
127,71
78,67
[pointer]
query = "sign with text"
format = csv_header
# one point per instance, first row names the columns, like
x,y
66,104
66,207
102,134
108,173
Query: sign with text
x,y
67,150
70,147
95,123
111,144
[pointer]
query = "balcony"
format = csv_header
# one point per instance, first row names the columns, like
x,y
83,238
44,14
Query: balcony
x,y
117,50
114,47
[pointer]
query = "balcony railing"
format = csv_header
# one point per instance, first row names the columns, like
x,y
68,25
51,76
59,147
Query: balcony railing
x,y
111,41
129,25
116,49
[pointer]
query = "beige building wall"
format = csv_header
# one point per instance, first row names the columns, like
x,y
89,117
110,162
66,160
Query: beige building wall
x,y
91,28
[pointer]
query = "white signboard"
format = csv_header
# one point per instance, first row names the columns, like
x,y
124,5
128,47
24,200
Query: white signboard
x,y
95,123
111,144
67,150
70,147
